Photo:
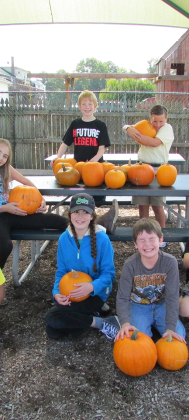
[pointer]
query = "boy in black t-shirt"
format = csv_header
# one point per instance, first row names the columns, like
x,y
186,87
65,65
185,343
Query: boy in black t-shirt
x,y
88,133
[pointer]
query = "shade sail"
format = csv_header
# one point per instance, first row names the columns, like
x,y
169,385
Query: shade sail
x,y
139,12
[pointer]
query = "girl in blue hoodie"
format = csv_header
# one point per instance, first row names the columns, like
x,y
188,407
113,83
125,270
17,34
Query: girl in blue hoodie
x,y
83,247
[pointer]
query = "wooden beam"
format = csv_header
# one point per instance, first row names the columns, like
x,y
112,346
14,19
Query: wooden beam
x,y
93,75
176,77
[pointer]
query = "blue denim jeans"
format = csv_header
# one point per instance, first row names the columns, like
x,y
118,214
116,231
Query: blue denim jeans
x,y
144,317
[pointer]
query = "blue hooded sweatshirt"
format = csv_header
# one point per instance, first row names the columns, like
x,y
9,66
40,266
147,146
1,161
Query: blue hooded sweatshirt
x,y
70,258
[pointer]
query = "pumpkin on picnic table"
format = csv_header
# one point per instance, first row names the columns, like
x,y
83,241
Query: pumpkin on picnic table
x,y
68,280
92,174
115,178
172,354
29,198
64,160
166,175
68,176
141,174
136,355
146,128
107,166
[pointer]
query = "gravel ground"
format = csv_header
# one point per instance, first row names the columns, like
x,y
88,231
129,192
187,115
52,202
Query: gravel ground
x,y
76,379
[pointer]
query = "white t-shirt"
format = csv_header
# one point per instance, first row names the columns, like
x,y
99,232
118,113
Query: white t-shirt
x,y
159,154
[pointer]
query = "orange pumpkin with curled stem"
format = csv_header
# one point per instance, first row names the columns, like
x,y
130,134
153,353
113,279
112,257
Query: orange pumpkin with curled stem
x,y
146,127
58,166
172,353
67,282
29,198
136,355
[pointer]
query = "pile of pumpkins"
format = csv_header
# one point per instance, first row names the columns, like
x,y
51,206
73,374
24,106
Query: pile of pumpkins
x,y
68,172
137,354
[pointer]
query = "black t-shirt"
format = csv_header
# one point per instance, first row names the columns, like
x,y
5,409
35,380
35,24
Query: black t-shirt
x,y
87,136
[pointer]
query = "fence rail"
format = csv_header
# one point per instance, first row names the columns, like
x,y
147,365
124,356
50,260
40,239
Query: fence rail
x,y
34,123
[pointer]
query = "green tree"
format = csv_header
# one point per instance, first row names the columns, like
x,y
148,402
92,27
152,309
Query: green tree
x,y
152,65
128,85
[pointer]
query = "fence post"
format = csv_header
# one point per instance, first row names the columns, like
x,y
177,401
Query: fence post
x,y
123,119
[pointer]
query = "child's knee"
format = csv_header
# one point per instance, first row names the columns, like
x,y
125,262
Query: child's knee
x,y
184,306
186,260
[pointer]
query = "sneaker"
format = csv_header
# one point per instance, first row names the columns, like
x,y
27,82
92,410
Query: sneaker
x,y
111,327
109,219
163,245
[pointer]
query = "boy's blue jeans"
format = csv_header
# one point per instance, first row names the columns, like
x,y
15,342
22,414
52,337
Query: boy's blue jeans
x,y
143,317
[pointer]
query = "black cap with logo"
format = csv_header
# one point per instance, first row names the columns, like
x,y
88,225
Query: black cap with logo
x,y
82,201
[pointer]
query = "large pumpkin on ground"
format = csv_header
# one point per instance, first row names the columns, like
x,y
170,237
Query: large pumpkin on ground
x,y
68,176
166,175
172,354
29,198
136,355
92,174
145,127
141,174
115,178
68,280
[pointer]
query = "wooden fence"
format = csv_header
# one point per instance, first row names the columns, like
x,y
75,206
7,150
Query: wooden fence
x,y
35,127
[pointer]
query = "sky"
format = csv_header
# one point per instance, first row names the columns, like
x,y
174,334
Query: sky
x,y
50,48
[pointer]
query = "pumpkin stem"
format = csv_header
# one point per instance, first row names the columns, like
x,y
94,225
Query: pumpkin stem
x,y
169,338
74,274
134,334
64,168
129,162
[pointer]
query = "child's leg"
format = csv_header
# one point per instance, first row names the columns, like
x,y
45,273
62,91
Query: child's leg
x,y
2,292
159,320
141,317
73,319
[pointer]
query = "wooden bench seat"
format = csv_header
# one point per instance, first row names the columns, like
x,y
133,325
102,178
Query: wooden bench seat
x,y
35,236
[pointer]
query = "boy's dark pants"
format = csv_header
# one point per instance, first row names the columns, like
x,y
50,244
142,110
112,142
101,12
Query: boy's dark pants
x,y
74,319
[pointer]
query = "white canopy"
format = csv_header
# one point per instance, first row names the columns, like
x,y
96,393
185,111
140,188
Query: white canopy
x,y
139,12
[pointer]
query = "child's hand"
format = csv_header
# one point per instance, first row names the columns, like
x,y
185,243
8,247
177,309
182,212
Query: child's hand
x,y
134,133
43,207
83,289
62,299
175,335
12,208
124,330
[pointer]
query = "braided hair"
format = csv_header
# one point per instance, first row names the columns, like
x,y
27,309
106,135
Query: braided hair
x,y
92,226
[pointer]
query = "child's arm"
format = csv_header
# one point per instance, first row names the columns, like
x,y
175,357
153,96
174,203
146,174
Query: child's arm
x,y
99,154
61,151
123,297
171,295
141,138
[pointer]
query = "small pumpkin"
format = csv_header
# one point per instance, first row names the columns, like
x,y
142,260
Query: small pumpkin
x,y
79,167
107,166
127,166
172,354
120,168
29,198
166,175
136,355
68,280
58,166
115,178
92,174
68,176
141,174
145,127
65,160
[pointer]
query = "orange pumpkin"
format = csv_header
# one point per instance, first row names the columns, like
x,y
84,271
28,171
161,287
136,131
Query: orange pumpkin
x,y
172,354
93,174
68,176
65,160
120,168
107,166
166,175
115,179
141,174
58,166
79,167
145,127
136,355
29,198
68,280
127,166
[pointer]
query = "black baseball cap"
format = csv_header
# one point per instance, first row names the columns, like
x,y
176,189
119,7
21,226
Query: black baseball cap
x,y
82,201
